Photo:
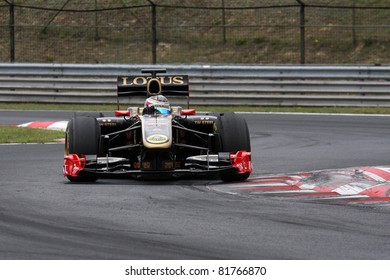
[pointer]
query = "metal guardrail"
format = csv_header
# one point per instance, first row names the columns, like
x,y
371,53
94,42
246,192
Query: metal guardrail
x,y
209,84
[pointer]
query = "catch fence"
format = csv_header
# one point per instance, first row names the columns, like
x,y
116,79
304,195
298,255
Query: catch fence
x,y
184,31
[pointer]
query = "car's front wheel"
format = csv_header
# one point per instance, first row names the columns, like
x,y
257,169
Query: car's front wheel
x,y
82,138
234,136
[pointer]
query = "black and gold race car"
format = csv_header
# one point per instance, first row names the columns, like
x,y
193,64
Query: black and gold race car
x,y
156,139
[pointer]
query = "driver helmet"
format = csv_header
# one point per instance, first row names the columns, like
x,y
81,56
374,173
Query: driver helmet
x,y
160,103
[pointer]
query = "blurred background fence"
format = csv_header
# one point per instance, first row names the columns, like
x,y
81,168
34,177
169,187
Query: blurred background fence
x,y
203,31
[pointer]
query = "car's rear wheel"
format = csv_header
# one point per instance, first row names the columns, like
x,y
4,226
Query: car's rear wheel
x,y
82,138
234,136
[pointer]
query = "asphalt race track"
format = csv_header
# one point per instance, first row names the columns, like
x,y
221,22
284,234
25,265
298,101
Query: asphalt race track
x,y
43,216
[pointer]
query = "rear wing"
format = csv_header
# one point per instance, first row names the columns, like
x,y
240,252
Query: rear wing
x,y
173,85
140,85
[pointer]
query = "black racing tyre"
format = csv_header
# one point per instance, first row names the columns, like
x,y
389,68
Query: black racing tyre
x,y
234,136
82,138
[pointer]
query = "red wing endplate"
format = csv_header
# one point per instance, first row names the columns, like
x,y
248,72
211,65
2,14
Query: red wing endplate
x,y
242,161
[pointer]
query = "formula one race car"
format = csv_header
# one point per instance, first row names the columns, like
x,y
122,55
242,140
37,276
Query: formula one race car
x,y
157,140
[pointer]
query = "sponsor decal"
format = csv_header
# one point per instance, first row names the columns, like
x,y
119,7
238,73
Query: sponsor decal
x,y
141,80
157,139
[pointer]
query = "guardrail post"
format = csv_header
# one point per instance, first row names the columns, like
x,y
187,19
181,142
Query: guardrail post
x,y
11,31
302,28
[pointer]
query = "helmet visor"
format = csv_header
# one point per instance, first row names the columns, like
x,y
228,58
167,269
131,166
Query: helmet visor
x,y
163,111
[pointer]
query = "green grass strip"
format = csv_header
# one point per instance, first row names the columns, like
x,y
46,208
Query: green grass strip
x,y
13,134
112,107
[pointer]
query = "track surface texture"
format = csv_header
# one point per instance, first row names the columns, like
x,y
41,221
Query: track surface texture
x,y
43,216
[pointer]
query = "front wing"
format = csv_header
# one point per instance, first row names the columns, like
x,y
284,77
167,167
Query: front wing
x,y
238,163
